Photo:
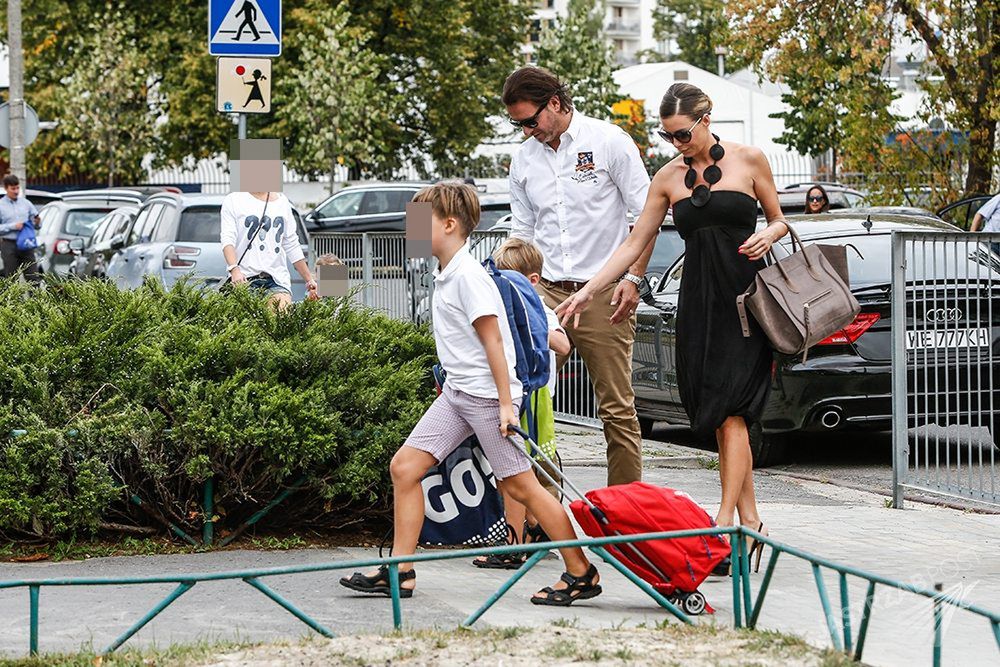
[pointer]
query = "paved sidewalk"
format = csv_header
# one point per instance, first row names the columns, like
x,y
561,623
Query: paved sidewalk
x,y
921,545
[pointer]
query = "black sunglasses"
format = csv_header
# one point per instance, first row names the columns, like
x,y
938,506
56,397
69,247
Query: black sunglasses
x,y
682,136
530,122
817,199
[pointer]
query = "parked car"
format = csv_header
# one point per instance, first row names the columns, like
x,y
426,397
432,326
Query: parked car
x,y
792,198
373,207
960,213
493,207
845,385
75,216
91,256
175,235
41,197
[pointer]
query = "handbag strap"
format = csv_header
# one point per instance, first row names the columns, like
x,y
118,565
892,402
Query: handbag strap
x,y
741,308
253,235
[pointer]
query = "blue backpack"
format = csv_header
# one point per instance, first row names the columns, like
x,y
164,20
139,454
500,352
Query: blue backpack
x,y
528,326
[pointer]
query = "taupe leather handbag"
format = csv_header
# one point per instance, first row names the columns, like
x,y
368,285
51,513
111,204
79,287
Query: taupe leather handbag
x,y
800,299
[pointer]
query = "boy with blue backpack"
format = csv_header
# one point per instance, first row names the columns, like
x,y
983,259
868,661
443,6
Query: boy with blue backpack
x,y
481,395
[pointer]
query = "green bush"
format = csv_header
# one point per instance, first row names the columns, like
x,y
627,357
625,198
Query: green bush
x,y
151,392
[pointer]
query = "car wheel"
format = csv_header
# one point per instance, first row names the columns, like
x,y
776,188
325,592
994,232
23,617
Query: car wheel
x,y
768,449
646,426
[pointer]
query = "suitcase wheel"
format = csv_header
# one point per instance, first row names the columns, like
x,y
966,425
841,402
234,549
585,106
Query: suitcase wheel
x,y
693,603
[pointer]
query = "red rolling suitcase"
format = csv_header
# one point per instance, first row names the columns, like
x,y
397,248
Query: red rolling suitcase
x,y
673,567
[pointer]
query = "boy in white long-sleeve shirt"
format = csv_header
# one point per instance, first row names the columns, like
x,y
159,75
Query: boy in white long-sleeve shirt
x,y
267,218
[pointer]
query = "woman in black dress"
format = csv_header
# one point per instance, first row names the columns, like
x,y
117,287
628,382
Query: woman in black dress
x,y
723,377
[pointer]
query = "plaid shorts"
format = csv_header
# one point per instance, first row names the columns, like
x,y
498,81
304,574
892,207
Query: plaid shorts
x,y
454,416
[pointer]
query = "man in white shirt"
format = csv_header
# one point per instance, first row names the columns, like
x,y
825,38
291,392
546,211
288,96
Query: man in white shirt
x,y
572,182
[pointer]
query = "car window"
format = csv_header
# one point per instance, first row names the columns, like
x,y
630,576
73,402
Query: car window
x,y
378,202
401,198
47,215
105,224
200,224
963,212
122,224
82,222
141,224
490,214
346,203
672,281
669,246
853,200
163,227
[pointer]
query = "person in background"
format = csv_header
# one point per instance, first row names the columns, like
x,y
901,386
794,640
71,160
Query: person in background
x,y
817,201
266,218
987,219
15,212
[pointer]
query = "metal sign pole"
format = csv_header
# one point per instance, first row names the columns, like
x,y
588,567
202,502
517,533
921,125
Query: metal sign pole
x,y
16,92
241,131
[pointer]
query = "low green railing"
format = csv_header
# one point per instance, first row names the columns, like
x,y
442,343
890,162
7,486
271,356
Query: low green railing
x,y
746,606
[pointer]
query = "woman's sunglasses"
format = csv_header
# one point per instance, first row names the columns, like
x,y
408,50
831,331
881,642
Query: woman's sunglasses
x,y
814,198
681,136
530,122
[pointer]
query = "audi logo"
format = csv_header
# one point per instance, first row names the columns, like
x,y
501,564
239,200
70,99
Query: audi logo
x,y
943,315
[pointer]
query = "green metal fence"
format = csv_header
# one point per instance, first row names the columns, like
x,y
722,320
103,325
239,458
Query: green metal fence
x,y
746,605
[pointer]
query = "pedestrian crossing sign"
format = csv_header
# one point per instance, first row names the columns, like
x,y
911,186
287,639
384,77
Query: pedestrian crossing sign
x,y
244,27
243,85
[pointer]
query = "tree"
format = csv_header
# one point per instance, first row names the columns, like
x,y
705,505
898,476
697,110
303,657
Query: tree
x,y
443,65
575,50
697,28
338,84
963,43
109,107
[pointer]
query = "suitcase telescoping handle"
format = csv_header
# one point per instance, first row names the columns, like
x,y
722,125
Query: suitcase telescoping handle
x,y
596,511
536,450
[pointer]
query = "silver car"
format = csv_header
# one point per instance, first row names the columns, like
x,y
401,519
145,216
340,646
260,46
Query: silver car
x,y
177,235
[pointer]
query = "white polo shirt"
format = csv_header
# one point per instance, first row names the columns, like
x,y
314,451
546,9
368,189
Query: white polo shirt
x,y
464,292
572,202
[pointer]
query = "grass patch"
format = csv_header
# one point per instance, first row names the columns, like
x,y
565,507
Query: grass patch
x,y
177,655
72,549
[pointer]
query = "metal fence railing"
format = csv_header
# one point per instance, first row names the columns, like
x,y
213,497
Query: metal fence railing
x,y
383,278
746,606
946,364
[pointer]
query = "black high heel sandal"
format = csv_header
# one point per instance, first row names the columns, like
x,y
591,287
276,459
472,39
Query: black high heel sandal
x,y
583,587
378,582
536,533
756,547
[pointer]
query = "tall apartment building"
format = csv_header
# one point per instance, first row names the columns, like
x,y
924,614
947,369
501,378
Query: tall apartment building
x,y
628,27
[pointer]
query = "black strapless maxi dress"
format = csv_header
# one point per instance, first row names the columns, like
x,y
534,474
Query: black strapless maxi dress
x,y
719,372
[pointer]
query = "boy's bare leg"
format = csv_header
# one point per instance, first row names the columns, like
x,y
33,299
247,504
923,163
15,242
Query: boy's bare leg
x,y
525,488
408,467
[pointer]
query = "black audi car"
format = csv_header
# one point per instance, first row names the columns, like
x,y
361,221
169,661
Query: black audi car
x,y
845,384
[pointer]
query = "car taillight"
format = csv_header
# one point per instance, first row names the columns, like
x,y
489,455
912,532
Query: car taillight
x,y
62,247
177,257
852,331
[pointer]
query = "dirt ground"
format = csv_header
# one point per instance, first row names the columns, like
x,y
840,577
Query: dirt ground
x,y
671,644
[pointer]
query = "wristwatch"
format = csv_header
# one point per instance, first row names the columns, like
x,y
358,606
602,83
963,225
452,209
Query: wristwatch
x,y
634,279
230,267
645,290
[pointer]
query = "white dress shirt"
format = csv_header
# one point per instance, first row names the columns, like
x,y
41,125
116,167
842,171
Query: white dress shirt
x,y
572,202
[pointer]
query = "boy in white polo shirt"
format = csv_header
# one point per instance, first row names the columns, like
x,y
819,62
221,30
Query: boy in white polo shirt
x,y
481,396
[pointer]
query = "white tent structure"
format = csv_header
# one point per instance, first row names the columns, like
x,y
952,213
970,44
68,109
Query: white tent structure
x,y
741,110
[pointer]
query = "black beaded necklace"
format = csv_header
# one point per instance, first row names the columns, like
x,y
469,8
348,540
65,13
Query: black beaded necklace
x,y
712,174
